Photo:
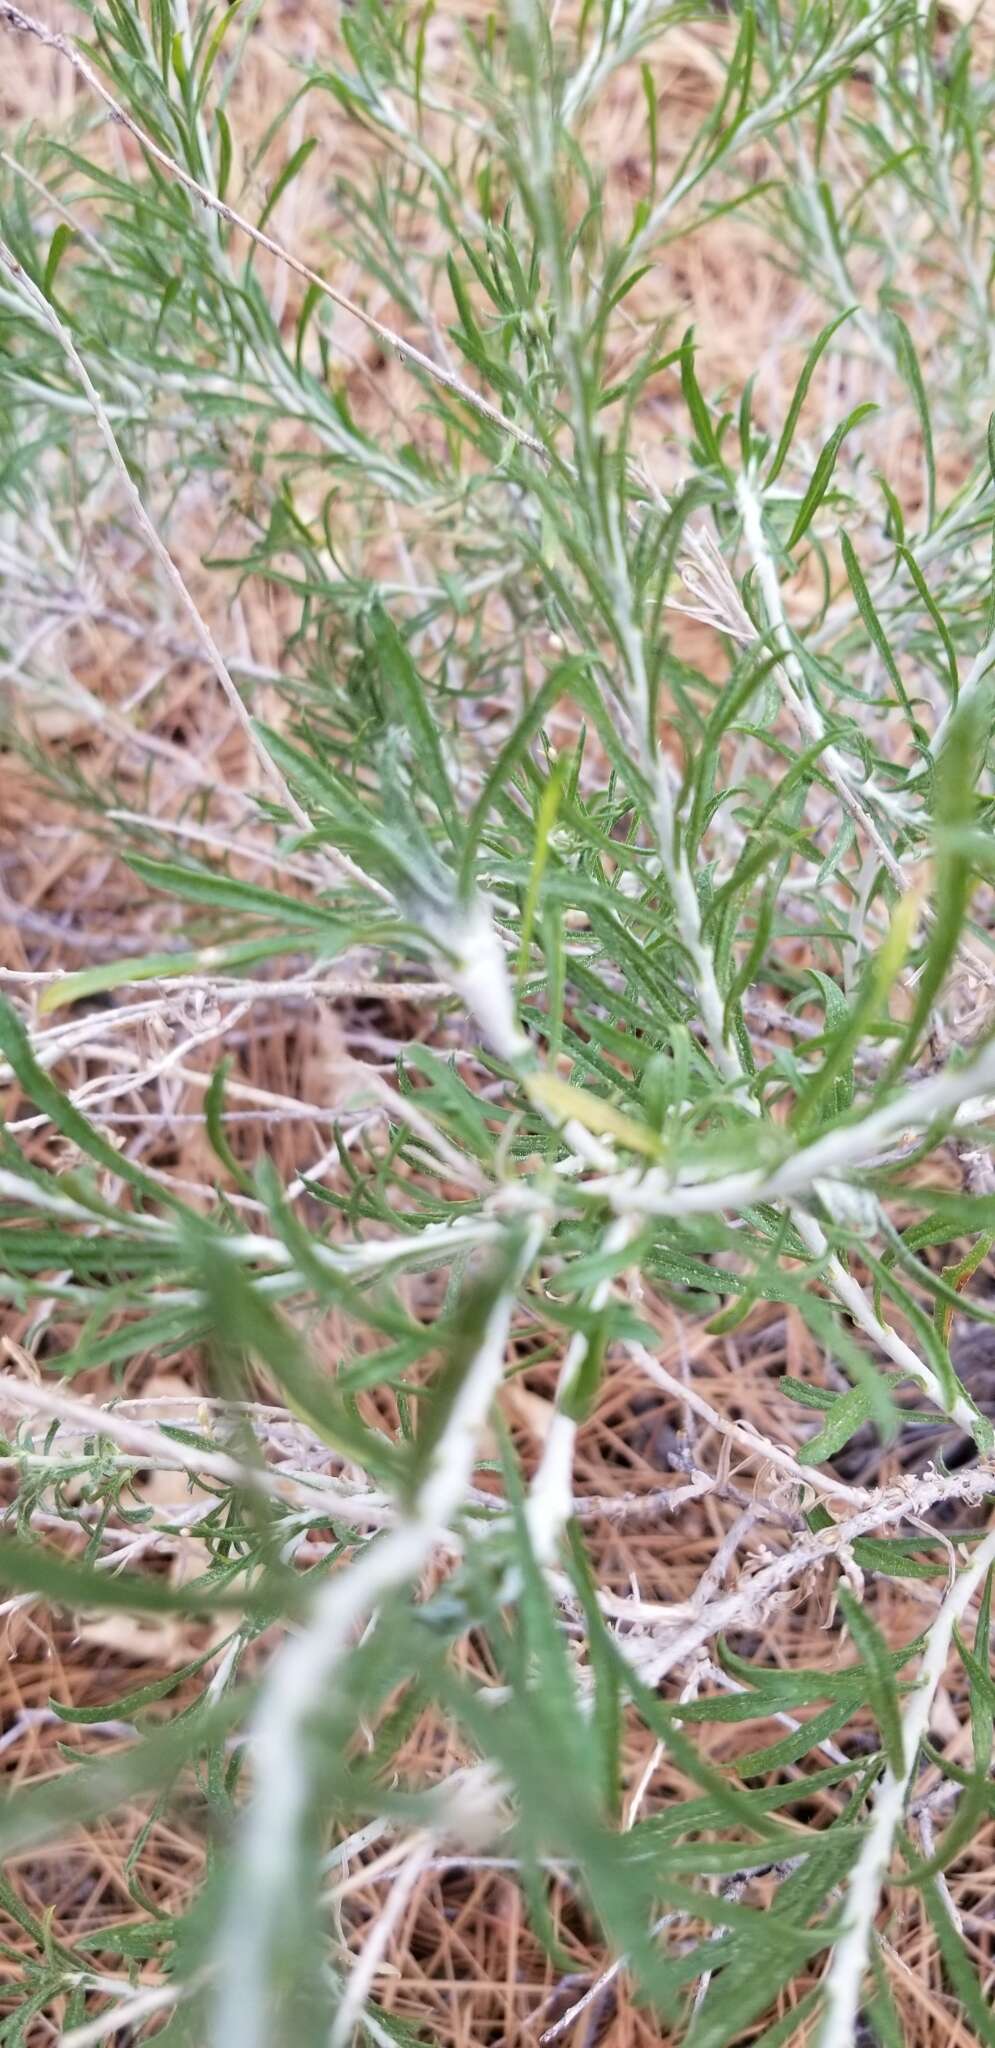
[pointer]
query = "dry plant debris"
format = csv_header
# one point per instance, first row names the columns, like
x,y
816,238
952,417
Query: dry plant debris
x,y
496,1199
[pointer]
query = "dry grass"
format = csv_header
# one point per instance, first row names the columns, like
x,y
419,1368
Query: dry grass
x,y
462,1962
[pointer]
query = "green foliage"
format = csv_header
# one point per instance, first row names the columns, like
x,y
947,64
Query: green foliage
x,y
697,936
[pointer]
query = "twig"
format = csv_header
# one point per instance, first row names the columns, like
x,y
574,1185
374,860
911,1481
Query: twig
x,y
154,1446
350,2006
846,1970
754,1594
741,1433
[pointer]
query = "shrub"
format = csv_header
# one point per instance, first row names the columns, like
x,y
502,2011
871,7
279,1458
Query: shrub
x,y
621,755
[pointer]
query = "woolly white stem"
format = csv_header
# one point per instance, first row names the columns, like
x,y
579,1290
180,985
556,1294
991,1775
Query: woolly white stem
x,y
302,1680
849,1958
854,1300
840,1151
480,979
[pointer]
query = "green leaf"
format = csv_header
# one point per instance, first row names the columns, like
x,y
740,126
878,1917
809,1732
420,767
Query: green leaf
x,y
62,238
701,418
41,1812
897,1560
478,1301
798,399
908,363
126,1704
971,1809
942,629
111,974
225,151
546,816
848,1413
877,634
213,1117
957,1965
880,2007
806,1396
851,1025
954,785
555,686
290,171
33,1568
882,1693
608,1699
408,694
977,1664
246,1323
822,474
217,36
222,892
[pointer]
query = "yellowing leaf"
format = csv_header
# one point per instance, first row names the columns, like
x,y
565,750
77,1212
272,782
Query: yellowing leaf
x,y
549,1092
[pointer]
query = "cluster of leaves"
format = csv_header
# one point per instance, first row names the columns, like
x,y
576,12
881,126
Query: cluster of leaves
x,y
617,918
